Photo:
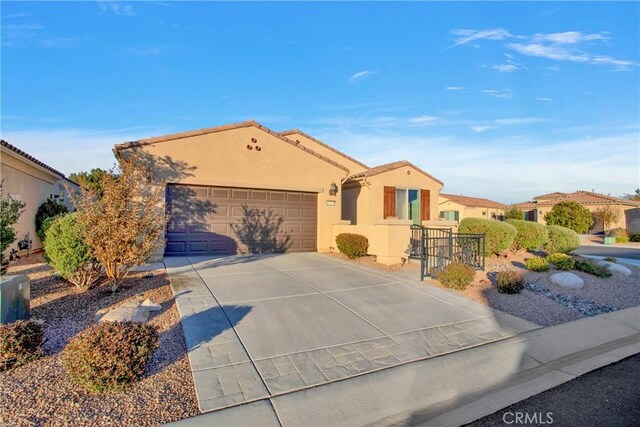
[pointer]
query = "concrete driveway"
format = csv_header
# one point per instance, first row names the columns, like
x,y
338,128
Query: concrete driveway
x,y
263,326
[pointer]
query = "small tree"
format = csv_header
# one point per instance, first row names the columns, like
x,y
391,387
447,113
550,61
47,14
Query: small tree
x,y
90,181
635,196
514,213
49,209
124,226
608,215
10,211
570,215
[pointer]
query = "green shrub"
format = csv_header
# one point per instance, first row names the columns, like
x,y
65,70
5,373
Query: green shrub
x,y
571,215
537,264
50,208
20,343
530,235
514,213
561,239
634,238
610,259
10,211
561,261
620,234
109,355
68,254
456,276
592,268
498,235
510,282
352,245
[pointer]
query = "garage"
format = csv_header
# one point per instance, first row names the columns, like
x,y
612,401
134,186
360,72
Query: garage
x,y
211,220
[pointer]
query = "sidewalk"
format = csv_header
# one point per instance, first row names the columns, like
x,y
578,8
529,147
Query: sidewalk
x,y
455,388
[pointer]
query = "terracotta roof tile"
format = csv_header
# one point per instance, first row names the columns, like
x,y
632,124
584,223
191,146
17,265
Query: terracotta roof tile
x,y
581,197
286,133
389,167
16,150
473,201
249,123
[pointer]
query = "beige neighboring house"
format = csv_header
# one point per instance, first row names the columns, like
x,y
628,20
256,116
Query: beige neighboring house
x,y
454,207
29,180
536,209
288,184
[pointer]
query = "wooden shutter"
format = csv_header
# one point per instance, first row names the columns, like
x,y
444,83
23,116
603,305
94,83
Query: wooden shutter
x,y
425,205
389,202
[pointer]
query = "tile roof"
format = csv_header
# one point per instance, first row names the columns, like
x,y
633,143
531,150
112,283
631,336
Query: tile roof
x,y
581,197
299,132
389,167
29,157
473,201
248,123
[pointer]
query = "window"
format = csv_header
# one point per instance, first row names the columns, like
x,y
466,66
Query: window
x,y
450,215
402,203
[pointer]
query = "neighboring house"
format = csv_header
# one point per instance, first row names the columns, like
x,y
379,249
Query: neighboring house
x,y
27,179
454,207
245,188
536,209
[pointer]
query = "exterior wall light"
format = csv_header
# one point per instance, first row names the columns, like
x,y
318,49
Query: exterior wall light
x,y
333,189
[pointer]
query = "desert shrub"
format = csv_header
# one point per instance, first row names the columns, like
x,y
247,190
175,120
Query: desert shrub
x,y
592,268
561,239
620,234
456,275
607,215
68,254
109,355
10,211
537,264
20,343
352,245
498,235
49,209
510,282
570,215
530,235
634,238
610,259
561,261
514,213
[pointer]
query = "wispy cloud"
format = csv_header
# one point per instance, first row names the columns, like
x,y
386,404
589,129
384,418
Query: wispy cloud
x,y
464,36
543,98
479,129
499,93
360,75
454,88
144,50
423,120
117,8
519,121
28,34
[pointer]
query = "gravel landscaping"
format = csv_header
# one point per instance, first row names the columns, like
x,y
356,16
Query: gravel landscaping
x,y
40,392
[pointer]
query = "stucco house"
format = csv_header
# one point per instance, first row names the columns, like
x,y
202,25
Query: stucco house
x,y
28,179
455,207
245,188
629,210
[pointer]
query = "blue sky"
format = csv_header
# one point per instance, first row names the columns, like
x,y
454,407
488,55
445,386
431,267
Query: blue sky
x,y
498,100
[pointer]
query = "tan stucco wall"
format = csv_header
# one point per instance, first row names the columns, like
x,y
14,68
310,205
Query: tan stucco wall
x,y
388,240
32,185
321,149
625,220
469,211
221,158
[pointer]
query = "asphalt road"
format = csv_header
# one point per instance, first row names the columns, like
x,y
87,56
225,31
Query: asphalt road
x,y
609,396
617,252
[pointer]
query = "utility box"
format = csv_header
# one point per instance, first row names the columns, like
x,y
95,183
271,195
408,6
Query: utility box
x,y
14,298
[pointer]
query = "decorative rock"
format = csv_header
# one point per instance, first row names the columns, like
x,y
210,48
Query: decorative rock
x,y
567,280
617,268
127,314
150,305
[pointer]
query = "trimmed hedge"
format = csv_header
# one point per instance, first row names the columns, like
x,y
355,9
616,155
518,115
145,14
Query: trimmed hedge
x,y
537,264
530,235
498,235
561,261
352,245
510,282
109,355
20,343
561,239
456,275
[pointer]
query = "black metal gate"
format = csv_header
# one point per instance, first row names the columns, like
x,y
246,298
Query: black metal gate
x,y
438,247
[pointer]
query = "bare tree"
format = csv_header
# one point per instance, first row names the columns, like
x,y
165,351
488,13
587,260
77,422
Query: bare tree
x,y
123,228
607,214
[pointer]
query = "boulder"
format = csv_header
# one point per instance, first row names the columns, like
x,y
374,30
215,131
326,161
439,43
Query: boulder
x,y
567,280
126,314
150,305
615,268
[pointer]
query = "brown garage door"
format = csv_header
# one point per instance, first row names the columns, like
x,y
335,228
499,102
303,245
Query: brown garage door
x,y
223,220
